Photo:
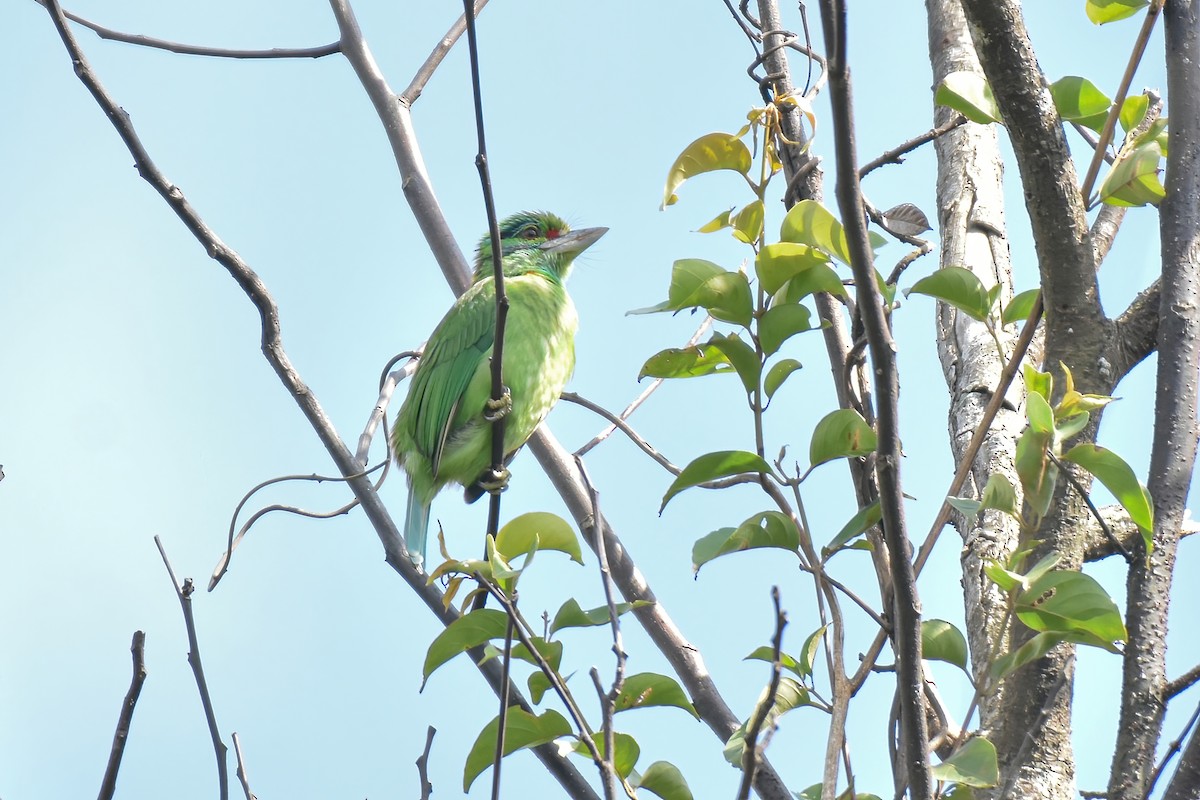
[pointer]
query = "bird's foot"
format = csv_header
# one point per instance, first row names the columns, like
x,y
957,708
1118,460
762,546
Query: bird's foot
x,y
498,409
494,481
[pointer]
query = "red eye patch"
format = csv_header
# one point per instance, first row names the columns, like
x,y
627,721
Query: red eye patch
x,y
553,233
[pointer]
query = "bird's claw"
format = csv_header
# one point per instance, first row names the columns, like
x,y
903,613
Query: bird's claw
x,y
495,409
494,481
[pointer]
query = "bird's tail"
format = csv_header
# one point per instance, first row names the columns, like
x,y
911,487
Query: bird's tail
x,y
416,528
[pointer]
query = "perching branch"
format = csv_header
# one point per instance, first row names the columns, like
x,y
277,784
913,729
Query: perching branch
x,y
906,607
897,153
108,786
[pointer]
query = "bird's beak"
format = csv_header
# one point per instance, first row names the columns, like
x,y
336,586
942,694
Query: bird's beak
x,y
573,243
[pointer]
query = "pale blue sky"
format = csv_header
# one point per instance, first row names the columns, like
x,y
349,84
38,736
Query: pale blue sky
x,y
134,400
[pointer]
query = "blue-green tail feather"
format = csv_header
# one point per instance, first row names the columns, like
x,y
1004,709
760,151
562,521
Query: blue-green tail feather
x,y
416,528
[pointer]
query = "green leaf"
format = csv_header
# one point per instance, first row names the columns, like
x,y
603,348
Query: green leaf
x,y
538,685
999,494
665,780
780,262
766,529
1038,382
650,689
780,323
841,434
767,653
1037,472
859,524
1039,413
741,356
960,288
965,506
626,750
973,764
721,464
791,694
570,615
710,152
809,222
686,362
1133,111
469,630
1111,470
777,374
551,651
1064,601
1032,650
717,223
1019,307
1079,100
808,652
969,94
1133,179
1104,11
521,730
1004,578
551,532
748,224
696,283
941,641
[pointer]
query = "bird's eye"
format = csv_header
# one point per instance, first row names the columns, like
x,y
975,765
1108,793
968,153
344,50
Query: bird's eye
x,y
529,232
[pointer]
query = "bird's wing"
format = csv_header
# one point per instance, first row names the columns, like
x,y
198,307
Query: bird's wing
x,y
458,347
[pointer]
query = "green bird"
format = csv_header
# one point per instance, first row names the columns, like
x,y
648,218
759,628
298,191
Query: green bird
x,y
443,433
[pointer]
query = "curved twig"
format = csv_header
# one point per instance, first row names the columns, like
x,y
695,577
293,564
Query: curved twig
x,y
199,50
410,95
625,428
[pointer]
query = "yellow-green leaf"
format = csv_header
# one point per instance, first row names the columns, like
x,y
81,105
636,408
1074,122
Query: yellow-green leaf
x,y
521,730
969,94
710,152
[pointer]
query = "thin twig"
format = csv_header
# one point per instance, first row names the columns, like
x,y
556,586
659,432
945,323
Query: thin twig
x,y
502,717
410,95
198,50
388,381
184,592
498,421
236,538
966,464
897,153
750,754
1173,750
423,764
624,427
108,786
1182,683
644,396
1083,493
1114,112
242,774
608,701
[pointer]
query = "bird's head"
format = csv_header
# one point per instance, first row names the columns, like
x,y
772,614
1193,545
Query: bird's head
x,y
535,240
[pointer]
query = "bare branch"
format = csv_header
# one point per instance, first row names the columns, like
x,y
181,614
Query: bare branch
x,y
423,764
184,592
388,382
1135,332
410,95
906,605
199,50
108,786
1182,683
625,428
897,153
242,774
750,753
